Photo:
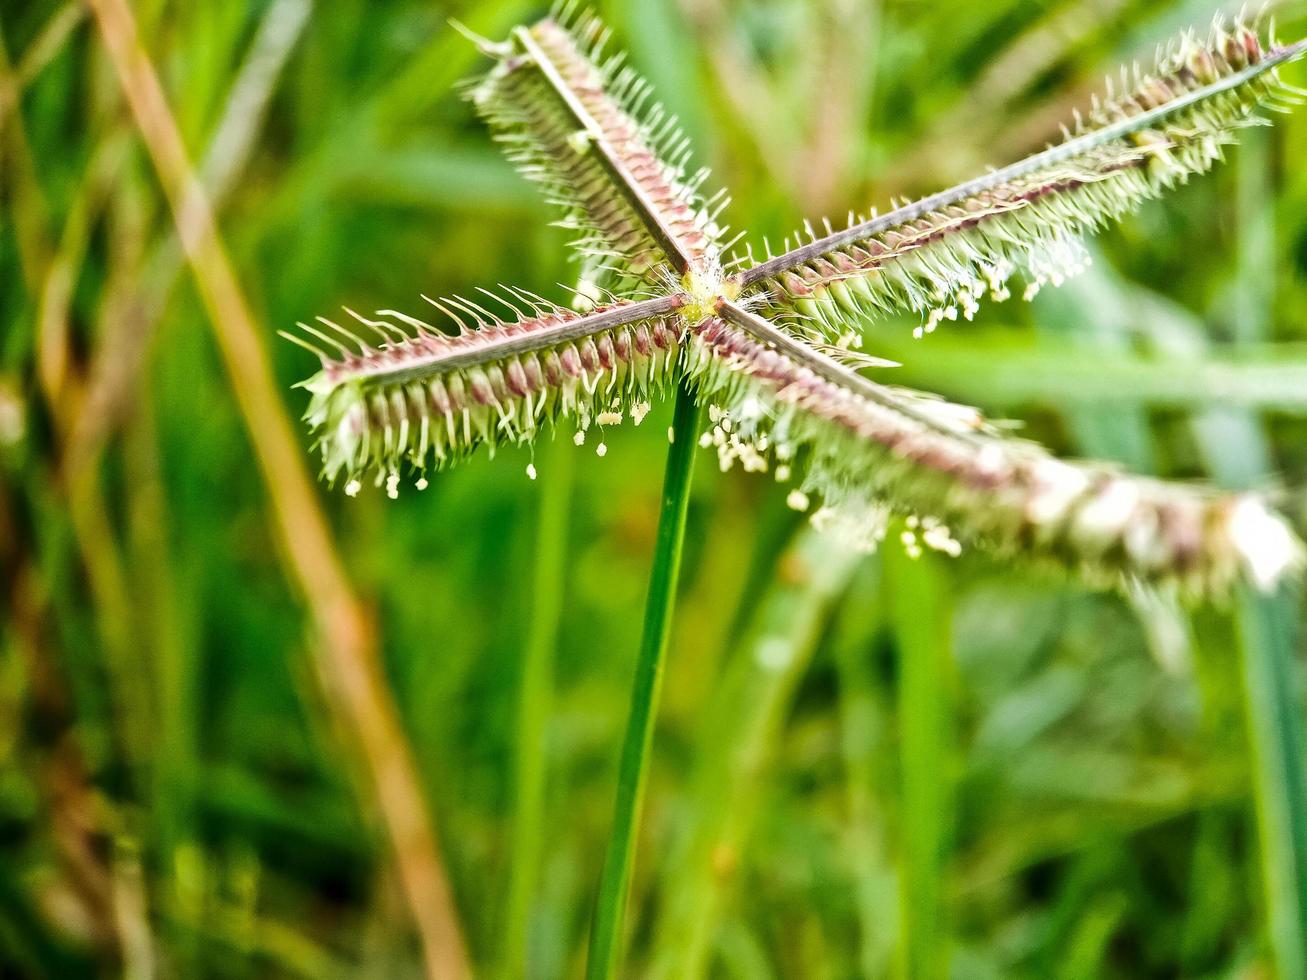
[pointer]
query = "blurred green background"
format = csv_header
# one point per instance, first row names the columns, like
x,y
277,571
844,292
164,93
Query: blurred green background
x,y
864,766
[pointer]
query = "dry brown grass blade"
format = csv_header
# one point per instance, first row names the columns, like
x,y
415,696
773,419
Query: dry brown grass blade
x,y
136,301
19,181
111,917
346,633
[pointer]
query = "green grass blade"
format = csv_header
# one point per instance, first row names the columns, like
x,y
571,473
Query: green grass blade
x,y
1266,628
988,368
534,701
866,750
920,615
737,745
615,883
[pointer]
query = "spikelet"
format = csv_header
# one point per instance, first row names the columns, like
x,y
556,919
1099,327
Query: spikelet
x,y
582,126
868,451
941,255
419,396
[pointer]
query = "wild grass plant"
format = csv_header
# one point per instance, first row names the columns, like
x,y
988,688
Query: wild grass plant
x,y
1048,726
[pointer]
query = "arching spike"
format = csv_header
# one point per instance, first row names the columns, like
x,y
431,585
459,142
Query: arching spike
x,y
499,50
462,327
483,318
329,341
517,313
535,308
348,334
386,331
412,321
301,342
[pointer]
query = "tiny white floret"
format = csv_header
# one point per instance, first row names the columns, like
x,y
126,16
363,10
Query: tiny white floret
x,y
1264,541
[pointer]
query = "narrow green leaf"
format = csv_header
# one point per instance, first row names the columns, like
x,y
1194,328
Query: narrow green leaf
x,y
1266,630
736,743
921,615
1267,623
984,367
535,697
864,736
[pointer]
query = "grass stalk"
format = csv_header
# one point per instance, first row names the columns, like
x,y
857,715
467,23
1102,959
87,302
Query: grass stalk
x,y
615,882
533,706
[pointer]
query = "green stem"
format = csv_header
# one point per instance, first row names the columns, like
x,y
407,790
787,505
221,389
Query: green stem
x,y
615,885
533,705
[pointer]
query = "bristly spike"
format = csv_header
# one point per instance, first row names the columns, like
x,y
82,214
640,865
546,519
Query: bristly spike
x,y
1028,217
546,368
873,450
549,105
773,348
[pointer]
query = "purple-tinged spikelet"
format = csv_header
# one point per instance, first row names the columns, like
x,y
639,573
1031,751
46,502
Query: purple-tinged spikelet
x,y
423,397
581,126
868,451
941,255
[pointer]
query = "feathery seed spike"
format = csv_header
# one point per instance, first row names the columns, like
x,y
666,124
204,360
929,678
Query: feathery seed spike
x,y
771,347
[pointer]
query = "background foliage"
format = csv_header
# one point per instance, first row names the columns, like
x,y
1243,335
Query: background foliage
x,y
863,765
